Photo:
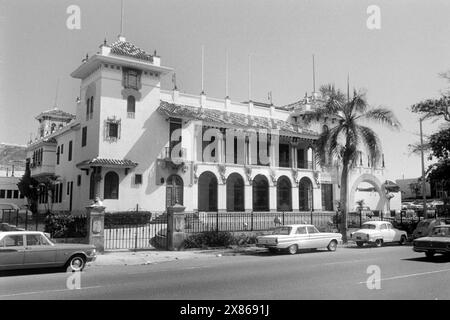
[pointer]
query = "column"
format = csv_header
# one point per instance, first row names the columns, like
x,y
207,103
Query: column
x,y
248,198
273,198
96,225
175,227
294,196
221,196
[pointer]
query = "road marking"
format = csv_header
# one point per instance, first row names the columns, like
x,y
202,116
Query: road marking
x,y
44,291
409,275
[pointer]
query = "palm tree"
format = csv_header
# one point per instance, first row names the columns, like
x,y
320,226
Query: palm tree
x,y
342,142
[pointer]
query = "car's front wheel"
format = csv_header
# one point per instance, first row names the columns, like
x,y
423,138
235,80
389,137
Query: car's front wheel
x,y
378,242
292,249
429,254
402,240
332,245
360,244
76,263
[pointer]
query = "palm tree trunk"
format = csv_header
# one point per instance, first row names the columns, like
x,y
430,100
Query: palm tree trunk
x,y
343,201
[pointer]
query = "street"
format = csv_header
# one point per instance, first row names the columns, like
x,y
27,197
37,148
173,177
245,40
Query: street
x,y
311,275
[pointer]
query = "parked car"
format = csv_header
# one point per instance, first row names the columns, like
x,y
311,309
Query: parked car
x,y
298,236
437,242
378,232
425,226
33,249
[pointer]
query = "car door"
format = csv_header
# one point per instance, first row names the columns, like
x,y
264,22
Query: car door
x,y
12,252
38,251
387,232
315,240
302,237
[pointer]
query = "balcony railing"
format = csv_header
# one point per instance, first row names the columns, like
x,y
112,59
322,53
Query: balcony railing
x,y
130,115
168,154
305,165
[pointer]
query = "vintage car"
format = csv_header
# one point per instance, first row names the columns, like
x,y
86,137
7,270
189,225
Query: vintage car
x,y
33,249
378,232
437,242
298,236
425,226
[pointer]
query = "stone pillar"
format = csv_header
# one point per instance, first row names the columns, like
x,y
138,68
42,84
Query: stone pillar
x,y
222,197
248,198
273,198
294,197
96,225
175,227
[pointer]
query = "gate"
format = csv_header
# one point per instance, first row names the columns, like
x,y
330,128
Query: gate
x,y
152,234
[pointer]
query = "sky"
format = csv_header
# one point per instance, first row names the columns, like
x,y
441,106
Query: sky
x,y
397,65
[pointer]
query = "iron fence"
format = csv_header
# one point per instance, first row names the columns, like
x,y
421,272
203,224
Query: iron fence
x,y
23,219
196,222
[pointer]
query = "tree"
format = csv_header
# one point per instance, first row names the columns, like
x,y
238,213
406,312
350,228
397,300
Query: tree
x,y
342,142
47,184
29,187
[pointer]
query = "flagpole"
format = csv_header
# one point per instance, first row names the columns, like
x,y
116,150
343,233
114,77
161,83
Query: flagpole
x,y
226,74
249,77
203,61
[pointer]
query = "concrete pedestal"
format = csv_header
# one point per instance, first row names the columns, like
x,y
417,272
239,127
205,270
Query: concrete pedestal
x,y
175,227
96,226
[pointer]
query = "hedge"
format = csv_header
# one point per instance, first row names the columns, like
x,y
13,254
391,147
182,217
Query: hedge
x,y
66,226
124,218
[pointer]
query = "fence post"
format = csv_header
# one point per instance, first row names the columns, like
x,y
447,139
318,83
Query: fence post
x,y
26,219
17,217
360,218
311,217
251,226
217,221
381,215
283,217
96,225
175,227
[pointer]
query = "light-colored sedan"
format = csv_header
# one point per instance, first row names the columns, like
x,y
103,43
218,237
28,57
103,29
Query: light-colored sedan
x,y
298,236
33,249
378,232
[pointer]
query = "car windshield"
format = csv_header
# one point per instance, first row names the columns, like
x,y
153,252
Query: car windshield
x,y
441,232
282,231
369,226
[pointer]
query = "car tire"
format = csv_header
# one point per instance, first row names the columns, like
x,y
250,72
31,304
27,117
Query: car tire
x,y
332,245
402,240
292,249
429,254
75,263
360,244
379,242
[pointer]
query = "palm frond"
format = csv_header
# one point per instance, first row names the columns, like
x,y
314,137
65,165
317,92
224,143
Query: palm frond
x,y
383,116
371,142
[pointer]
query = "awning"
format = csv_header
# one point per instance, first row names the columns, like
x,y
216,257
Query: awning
x,y
107,163
391,186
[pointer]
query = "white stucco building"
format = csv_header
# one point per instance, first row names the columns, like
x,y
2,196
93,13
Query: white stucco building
x,y
133,143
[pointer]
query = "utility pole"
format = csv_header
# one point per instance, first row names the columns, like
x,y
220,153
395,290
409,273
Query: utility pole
x,y
424,195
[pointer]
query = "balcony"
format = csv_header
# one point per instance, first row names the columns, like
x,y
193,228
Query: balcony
x,y
177,158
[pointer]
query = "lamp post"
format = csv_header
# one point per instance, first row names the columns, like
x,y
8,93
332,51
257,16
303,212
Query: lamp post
x,y
424,196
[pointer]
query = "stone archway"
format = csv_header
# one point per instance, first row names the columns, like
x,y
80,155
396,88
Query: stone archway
x,y
376,183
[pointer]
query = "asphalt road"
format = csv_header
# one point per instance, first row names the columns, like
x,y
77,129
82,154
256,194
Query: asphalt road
x,y
320,274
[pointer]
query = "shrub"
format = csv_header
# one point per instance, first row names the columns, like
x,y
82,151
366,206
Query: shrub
x,y
124,218
66,226
218,239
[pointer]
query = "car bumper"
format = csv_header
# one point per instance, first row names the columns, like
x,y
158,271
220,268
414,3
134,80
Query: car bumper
x,y
437,250
91,258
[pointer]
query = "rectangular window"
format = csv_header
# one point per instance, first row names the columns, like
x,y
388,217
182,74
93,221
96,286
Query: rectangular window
x,y
327,196
60,192
174,132
16,194
8,194
2,194
84,137
138,179
113,130
284,155
79,180
57,155
69,157
62,148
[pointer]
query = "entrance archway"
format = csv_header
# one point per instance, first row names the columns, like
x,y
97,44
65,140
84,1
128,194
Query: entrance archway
x,y
377,187
207,192
235,192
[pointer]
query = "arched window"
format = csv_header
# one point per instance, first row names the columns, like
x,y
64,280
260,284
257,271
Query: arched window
x,y
207,192
284,196
131,106
235,192
260,188
174,191
111,190
53,127
305,195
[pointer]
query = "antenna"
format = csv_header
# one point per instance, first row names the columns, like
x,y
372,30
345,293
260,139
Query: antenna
x,y
249,77
314,75
121,17
348,87
226,74
203,62
56,93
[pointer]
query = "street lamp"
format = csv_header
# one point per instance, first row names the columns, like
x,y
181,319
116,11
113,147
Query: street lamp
x,y
424,196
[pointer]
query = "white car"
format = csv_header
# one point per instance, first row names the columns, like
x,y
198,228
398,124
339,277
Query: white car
x,y
298,236
378,232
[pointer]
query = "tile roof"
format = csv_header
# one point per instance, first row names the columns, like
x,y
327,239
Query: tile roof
x,y
101,162
125,48
232,118
55,112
